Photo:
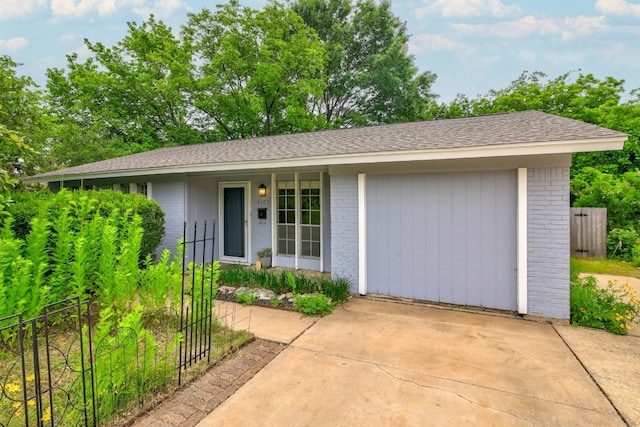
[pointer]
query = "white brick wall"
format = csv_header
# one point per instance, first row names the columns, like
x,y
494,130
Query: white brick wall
x,y
548,242
344,227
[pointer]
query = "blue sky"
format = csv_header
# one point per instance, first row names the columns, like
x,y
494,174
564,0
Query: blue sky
x,y
473,45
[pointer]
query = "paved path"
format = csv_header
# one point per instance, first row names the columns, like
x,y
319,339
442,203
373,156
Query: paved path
x,y
193,403
379,364
382,363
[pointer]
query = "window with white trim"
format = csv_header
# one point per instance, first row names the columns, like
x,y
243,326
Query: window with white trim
x,y
286,218
310,219
308,214
143,188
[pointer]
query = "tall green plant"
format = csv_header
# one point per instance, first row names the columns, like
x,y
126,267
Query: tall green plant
x,y
62,256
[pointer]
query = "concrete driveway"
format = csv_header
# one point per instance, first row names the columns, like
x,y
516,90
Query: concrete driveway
x,y
380,363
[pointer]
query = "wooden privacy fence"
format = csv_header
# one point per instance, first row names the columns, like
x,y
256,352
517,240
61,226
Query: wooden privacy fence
x,y
588,232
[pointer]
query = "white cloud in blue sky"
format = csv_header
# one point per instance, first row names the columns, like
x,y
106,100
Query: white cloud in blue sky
x,y
473,45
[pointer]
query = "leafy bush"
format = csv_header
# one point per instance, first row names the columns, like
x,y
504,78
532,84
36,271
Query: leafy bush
x,y
84,206
313,304
621,242
246,298
610,308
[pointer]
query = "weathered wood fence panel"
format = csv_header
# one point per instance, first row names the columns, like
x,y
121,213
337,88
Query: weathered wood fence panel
x,y
588,232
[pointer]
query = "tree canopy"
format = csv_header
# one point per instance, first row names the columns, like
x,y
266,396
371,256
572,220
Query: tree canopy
x,y
257,72
238,72
369,75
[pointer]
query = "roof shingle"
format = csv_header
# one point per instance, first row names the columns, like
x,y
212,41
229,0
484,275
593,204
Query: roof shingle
x,y
491,130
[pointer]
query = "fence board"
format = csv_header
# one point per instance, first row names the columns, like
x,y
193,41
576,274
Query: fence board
x,y
588,232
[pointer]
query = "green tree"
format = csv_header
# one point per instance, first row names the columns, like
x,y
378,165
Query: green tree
x,y
23,120
131,97
369,75
259,70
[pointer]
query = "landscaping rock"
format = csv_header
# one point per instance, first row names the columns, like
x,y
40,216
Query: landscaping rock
x,y
260,293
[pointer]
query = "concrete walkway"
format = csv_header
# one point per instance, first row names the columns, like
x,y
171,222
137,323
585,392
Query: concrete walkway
x,y
380,363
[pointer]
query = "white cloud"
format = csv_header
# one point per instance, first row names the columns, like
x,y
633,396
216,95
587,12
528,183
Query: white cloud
x,y
451,8
618,7
68,37
13,45
528,26
433,42
83,52
80,8
162,9
12,9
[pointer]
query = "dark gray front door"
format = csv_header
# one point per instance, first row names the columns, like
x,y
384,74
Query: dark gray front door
x,y
234,222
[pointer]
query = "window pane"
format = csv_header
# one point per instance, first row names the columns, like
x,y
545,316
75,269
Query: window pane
x,y
304,217
282,246
291,217
315,233
291,202
315,217
306,249
315,203
305,233
315,249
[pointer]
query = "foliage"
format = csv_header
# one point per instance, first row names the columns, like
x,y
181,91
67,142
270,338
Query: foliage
x,y
620,194
246,298
264,253
369,75
24,123
83,206
157,280
133,96
257,70
283,281
612,308
313,304
621,242
57,258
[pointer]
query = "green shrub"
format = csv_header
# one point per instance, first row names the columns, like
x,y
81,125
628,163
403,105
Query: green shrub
x,y
246,298
84,205
620,243
610,308
313,304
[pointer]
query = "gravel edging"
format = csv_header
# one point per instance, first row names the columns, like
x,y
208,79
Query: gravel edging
x,y
189,406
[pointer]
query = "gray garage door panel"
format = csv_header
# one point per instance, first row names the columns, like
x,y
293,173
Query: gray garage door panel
x,y
447,237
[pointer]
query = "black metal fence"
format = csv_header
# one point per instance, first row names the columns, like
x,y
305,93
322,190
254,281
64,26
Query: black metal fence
x,y
47,376
198,292
65,368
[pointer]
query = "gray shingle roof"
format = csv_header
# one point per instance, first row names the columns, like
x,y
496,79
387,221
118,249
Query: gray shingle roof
x,y
492,130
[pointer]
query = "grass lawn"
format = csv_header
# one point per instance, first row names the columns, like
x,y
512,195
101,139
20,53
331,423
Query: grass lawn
x,y
604,266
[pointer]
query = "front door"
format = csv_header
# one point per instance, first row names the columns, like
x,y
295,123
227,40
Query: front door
x,y
234,224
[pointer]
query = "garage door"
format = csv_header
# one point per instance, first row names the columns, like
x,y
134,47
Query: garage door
x,y
446,237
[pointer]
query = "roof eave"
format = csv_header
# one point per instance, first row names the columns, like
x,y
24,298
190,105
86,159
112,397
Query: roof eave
x,y
524,149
